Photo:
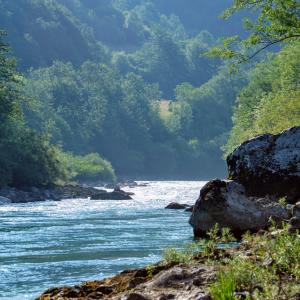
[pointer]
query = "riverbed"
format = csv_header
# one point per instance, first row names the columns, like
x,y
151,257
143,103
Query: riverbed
x,y
46,244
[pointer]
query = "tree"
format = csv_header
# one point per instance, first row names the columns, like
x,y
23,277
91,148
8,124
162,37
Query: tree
x,y
25,157
276,21
271,100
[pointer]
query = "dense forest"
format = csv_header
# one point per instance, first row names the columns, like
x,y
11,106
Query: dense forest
x,y
125,88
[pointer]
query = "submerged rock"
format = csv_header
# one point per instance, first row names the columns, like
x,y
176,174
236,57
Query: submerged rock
x,y
226,203
269,164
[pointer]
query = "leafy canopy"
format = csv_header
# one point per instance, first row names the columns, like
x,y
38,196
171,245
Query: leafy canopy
x,y
271,100
277,21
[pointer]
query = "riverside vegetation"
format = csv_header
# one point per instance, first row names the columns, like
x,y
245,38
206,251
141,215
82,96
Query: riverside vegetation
x,y
106,95
261,266
80,94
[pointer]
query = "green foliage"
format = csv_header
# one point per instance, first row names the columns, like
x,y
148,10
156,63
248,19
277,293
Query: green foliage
x,y
271,271
25,157
271,100
174,256
96,71
282,201
90,167
224,288
211,248
276,21
150,270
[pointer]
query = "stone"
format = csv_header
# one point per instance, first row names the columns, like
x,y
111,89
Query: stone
x,y
135,296
4,200
57,193
175,205
269,164
189,209
168,281
296,210
114,195
225,203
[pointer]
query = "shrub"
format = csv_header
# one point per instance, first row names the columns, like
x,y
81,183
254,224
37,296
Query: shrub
x,y
28,159
270,272
176,256
89,167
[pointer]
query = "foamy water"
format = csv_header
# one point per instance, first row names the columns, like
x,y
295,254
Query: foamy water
x,y
48,244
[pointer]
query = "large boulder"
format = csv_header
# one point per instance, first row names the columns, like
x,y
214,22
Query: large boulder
x,y
225,203
269,164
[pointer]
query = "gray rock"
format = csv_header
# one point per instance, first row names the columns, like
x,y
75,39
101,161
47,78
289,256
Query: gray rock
x,y
190,209
226,203
175,205
269,164
290,208
296,210
135,296
115,195
4,200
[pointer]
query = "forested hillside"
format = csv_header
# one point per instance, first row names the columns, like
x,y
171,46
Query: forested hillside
x,y
128,80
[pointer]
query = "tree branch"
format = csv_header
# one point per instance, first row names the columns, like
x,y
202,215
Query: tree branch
x,y
268,45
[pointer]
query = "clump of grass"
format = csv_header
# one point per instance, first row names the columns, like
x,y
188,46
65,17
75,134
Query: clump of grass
x,y
173,255
224,288
208,248
150,271
266,267
282,201
270,270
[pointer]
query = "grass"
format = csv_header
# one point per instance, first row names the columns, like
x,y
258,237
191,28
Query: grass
x,y
269,271
264,267
224,287
282,201
210,249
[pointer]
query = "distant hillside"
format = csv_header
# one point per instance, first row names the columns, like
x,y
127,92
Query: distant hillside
x,y
41,31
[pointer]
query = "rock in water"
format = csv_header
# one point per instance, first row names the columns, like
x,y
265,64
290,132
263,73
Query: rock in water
x,y
4,200
226,203
115,195
269,164
175,205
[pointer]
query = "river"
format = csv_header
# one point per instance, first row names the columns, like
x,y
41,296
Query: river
x,y
46,244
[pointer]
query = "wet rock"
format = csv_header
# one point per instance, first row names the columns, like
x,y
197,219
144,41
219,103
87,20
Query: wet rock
x,y
294,225
296,210
289,208
189,209
57,193
175,205
4,200
269,164
226,203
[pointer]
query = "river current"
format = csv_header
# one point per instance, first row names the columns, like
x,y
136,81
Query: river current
x,y
47,244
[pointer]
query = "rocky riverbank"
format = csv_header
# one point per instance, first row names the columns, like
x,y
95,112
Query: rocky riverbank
x,y
242,272
57,193
264,184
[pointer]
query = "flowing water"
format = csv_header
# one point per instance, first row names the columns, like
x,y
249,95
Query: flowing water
x,y
46,244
